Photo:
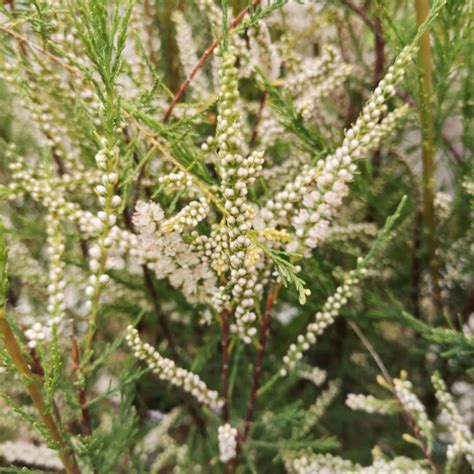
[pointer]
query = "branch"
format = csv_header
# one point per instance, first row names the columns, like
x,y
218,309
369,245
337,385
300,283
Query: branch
x,y
376,26
264,327
82,394
257,372
24,41
359,11
427,130
34,390
184,86
406,415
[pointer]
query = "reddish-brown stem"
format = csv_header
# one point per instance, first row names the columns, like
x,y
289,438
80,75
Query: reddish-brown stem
x,y
24,41
82,395
184,86
379,51
414,428
264,327
359,11
36,366
456,154
225,365
34,390
376,26
257,372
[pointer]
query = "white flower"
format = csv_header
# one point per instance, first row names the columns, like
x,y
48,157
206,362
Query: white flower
x,y
167,370
147,217
227,437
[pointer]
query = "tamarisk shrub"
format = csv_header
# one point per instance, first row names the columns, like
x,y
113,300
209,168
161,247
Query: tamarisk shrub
x,y
215,235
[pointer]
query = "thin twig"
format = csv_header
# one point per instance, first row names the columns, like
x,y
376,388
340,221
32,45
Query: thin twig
x,y
257,372
184,86
82,393
456,155
372,351
406,415
24,41
376,26
34,390
264,327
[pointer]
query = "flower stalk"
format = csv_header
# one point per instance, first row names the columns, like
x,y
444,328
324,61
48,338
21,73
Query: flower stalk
x,y
428,149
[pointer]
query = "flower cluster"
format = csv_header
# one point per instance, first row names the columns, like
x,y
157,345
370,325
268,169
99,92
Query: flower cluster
x,y
237,173
322,320
399,465
107,162
189,216
315,79
161,247
42,332
269,130
319,407
176,181
371,404
312,70
308,105
227,437
167,370
362,231
462,436
57,282
30,454
52,194
139,26
308,463
315,375
116,184
38,333
310,201
403,390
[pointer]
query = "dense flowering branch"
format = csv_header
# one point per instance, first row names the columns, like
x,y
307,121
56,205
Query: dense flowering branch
x,y
167,370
